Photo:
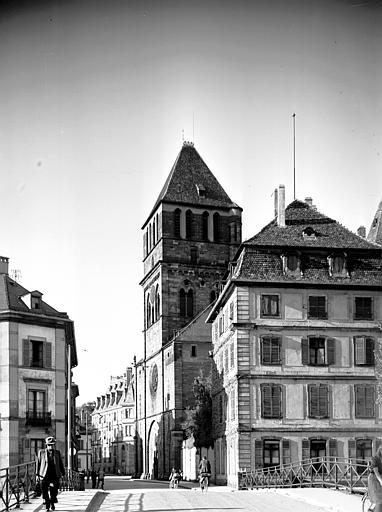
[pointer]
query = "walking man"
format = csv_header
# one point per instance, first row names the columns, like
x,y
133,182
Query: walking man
x,y
49,469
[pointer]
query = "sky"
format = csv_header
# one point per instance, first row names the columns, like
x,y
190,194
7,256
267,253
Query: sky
x,y
97,97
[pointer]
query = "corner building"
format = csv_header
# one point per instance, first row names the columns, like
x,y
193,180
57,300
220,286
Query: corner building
x,y
296,332
191,234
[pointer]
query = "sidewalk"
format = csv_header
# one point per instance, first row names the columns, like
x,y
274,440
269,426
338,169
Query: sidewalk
x,y
90,500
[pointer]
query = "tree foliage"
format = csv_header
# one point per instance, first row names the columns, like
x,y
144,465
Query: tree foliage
x,y
198,423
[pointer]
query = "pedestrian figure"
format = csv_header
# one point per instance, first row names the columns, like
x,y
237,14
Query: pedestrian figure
x,y
204,473
93,476
174,478
374,483
49,469
101,478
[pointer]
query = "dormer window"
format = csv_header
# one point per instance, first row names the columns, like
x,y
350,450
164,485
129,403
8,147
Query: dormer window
x,y
337,265
309,233
201,190
291,264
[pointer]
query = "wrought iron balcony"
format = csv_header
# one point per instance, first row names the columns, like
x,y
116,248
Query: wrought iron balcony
x,y
38,418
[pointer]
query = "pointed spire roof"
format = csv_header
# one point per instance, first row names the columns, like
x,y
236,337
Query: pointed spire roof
x,y
375,233
305,226
191,182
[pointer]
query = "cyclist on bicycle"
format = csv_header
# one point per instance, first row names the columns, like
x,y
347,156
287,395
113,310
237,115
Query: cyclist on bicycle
x,y
204,473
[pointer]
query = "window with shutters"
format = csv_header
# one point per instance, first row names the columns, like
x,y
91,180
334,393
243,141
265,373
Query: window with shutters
x,y
364,401
271,405
318,351
363,351
317,307
37,353
232,355
270,305
271,453
318,396
286,451
270,348
363,308
233,404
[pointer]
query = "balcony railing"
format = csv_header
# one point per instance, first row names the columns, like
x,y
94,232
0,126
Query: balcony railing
x,y
332,472
18,484
38,419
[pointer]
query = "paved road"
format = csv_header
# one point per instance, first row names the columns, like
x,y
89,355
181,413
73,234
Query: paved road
x,y
181,500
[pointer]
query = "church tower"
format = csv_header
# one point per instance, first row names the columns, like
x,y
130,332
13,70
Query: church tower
x,y
191,234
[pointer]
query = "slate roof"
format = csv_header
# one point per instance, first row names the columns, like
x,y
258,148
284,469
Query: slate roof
x,y
259,258
10,299
300,216
188,172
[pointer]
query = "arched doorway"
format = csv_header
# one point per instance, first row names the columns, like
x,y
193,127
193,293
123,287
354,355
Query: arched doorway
x,y
152,447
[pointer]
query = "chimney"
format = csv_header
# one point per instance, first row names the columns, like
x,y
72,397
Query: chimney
x,y
361,231
309,201
281,212
4,263
276,198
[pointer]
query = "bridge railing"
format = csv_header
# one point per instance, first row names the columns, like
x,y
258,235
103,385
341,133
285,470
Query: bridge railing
x,y
18,484
333,472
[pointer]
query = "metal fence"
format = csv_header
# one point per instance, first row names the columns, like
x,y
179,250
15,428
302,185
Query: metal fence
x,y
332,472
18,484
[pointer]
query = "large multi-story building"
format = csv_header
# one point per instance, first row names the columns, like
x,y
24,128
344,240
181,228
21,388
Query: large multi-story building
x,y
113,427
37,352
296,337
192,232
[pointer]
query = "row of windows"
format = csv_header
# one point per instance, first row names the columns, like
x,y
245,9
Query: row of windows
x,y
317,307
337,264
317,351
272,452
151,235
191,225
318,400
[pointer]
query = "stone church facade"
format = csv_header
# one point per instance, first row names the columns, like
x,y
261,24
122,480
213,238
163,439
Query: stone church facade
x,y
191,234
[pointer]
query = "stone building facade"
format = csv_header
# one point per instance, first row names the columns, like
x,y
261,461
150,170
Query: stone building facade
x,y
296,336
113,427
37,352
192,232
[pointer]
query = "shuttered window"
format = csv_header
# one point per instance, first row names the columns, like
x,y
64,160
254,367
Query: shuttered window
x,y
270,350
318,351
286,451
364,401
363,308
305,447
363,351
271,453
317,307
271,406
37,353
232,355
318,400
258,453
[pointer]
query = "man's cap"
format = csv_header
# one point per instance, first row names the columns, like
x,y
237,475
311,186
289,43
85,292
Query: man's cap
x,y
50,440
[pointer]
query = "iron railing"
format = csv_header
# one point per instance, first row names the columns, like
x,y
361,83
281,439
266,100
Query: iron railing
x,y
18,484
333,472
38,418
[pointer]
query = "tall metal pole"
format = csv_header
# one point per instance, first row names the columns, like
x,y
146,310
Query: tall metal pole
x,y
294,156
69,438
87,446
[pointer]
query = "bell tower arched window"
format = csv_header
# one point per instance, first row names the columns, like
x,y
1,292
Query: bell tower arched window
x,y
189,219
186,303
177,223
148,312
205,216
216,222
157,303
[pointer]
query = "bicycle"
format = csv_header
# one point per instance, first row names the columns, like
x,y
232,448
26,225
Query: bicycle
x,y
203,481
